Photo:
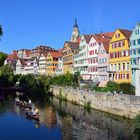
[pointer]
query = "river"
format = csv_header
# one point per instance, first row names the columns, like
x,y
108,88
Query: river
x,y
60,120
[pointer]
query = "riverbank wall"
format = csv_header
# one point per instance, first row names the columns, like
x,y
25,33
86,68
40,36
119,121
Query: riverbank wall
x,y
119,104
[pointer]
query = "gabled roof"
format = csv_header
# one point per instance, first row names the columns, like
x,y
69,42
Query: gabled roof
x,y
73,45
87,38
106,46
126,33
55,54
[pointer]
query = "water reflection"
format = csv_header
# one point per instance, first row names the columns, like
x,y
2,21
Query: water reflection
x,y
72,122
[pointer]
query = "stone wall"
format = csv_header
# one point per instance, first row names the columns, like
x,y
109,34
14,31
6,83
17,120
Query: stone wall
x,y
123,105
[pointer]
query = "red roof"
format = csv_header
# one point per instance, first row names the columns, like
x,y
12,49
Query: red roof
x,y
55,54
126,33
12,56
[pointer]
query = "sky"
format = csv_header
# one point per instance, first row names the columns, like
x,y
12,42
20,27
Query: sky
x,y
30,23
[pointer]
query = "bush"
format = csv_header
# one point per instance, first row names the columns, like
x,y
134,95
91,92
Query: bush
x,y
136,123
126,88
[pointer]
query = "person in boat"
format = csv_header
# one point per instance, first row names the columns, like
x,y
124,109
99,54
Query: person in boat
x,y
35,112
17,99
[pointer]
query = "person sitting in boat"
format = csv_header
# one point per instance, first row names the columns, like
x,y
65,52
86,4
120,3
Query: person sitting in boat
x,y
17,99
35,112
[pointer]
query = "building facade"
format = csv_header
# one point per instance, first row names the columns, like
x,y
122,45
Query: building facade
x,y
135,52
119,50
42,64
80,59
51,63
68,52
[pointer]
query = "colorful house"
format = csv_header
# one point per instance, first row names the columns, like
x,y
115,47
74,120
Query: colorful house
x,y
98,57
119,50
135,52
52,63
42,64
68,52
103,58
59,69
80,59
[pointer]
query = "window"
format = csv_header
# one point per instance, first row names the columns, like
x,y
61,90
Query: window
x,y
127,65
119,44
138,41
115,66
134,51
123,66
119,66
127,76
115,55
117,35
127,53
123,76
122,53
134,42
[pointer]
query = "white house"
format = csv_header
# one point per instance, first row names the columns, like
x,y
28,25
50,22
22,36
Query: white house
x,y
80,59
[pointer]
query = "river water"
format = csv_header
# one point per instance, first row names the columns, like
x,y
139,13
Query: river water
x,y
60,120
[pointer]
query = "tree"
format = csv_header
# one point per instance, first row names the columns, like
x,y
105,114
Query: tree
x,y
1,33
6,70
3,56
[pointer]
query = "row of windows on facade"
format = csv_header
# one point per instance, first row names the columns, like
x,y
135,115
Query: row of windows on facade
x,y
79,55
67,52
92,52
118,44
103,78
82,47
91,61
135,61
103,69
121,76
51,64
69,58
120,66
135,42
134,51
120,54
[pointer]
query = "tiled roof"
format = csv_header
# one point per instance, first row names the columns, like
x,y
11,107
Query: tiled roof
x,y
60,52
106,35
55,54
126,33
87,38
106,46
73,45
12,56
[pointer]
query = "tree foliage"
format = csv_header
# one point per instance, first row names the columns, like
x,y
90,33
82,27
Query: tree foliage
x,y
3,56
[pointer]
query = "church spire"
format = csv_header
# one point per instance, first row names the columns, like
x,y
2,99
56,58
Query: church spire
x,y
75,32
75,24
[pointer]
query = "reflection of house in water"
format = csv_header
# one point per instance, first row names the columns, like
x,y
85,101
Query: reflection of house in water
x,y
50,119
66,128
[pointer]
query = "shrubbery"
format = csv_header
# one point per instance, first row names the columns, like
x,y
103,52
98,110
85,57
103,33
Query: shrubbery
x,y
125,88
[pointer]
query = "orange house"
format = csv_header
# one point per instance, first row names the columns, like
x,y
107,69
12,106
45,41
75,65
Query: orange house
x,y
52,63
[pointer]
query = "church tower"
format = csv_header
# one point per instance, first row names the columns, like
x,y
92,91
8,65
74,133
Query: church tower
x,y
75,32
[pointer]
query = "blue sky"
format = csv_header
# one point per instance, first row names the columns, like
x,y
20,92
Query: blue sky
x,y
29,23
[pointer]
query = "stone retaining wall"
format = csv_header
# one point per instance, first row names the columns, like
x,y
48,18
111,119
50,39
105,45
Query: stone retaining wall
x,y
122,105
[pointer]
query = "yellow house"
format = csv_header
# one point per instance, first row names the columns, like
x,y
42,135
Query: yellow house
x,y
69,49
51,63
119,49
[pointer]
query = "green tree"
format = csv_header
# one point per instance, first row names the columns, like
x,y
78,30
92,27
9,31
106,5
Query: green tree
x,y
6,70
3,56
